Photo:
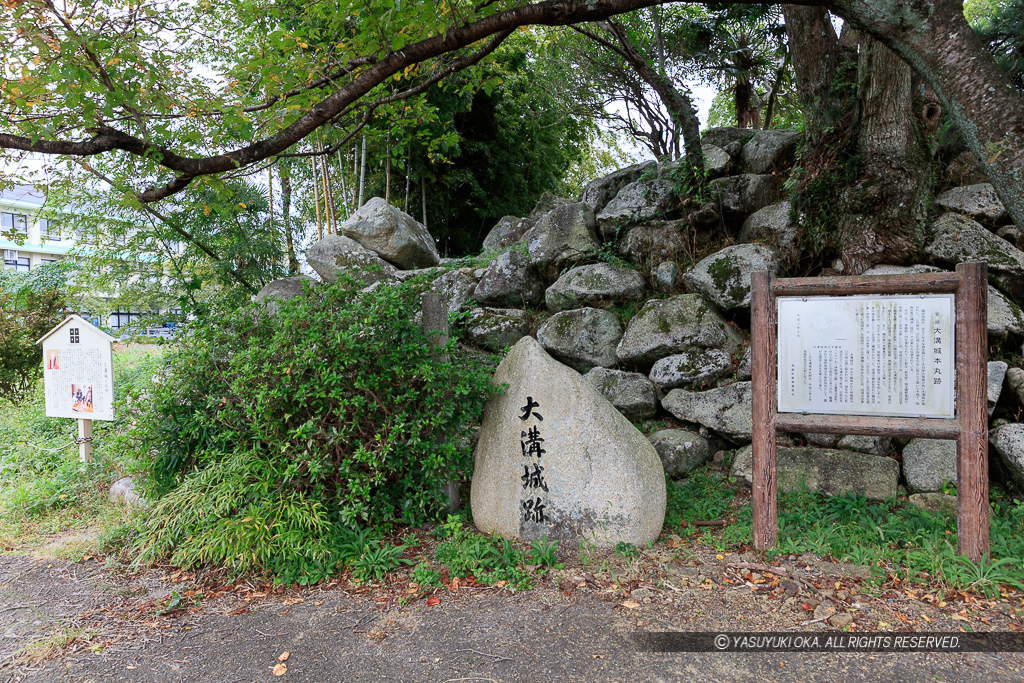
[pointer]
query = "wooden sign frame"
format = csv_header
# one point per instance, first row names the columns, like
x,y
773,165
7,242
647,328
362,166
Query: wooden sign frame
x,y
969,427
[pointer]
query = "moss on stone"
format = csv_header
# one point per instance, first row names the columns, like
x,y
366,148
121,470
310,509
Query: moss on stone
x,y
721,271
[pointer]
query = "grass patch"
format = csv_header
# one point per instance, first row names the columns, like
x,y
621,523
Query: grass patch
x,y
897,540
44,489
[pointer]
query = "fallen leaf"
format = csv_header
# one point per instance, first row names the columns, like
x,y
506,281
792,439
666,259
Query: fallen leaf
x,y
283,657
629,604
318,603
280,669
454,585
433,601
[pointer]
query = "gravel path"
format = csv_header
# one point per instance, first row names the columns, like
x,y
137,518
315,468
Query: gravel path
x,y
77,622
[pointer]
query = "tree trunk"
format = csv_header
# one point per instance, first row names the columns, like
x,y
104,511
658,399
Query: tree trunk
x,y
979,97
773,96
818,62
884,212
286,213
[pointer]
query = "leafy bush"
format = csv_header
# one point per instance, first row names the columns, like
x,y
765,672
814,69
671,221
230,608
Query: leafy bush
x,y
271,436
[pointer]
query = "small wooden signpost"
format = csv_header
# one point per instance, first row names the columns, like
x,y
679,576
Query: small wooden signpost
x,y
890,355
78,376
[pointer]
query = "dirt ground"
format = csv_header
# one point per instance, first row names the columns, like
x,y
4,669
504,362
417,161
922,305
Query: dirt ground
x,y
62,621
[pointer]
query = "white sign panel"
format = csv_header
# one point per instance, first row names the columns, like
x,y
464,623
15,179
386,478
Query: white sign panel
x,y
78,372
866,355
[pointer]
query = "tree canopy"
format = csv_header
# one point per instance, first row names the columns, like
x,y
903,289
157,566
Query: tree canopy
x,y
186,91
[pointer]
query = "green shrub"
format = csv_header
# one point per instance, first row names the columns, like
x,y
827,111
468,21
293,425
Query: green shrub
x,y
26,314
272,436
489,559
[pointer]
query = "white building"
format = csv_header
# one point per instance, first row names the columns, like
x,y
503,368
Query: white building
x,y
20,213
44,242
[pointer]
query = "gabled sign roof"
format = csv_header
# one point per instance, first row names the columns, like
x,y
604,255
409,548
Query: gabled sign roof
x,y
81,321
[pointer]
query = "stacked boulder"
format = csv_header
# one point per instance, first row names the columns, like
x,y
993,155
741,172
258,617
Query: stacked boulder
x,y
612,286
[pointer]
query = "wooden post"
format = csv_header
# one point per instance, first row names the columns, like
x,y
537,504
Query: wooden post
x,y
971,407
762,342
85,440
435,326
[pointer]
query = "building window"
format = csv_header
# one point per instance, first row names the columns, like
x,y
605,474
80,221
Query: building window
x,y
119,319
14,262
49,230
13,222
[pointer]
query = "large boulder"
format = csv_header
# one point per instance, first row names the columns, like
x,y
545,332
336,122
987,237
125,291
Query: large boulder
x,y
506,232
929,463
393,234
770,151
772,226
1005,318
977,201
723,136
631,393
588,473
547,203
563,237
599,192
455,288
828,471
996,374
665,276
655,242
583,338
335,253
1008,442
741,195
496,328
510,280
1015,380
637,202
680,451
724,277
282,290
716,161
957,238
934,502
667,326
598,284
872,445
693,366
725,410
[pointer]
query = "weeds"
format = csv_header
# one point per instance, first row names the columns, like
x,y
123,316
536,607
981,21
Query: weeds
x,y
544,553
488,559
891,537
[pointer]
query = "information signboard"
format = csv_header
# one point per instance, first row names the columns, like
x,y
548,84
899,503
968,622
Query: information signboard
x,y
866,355
78,373
872,356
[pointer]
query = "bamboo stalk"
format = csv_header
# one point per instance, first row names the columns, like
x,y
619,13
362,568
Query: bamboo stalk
x,y
316,201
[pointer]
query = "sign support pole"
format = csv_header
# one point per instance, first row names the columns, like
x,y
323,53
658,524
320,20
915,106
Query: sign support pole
x,y
763,400
971,408
85,447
